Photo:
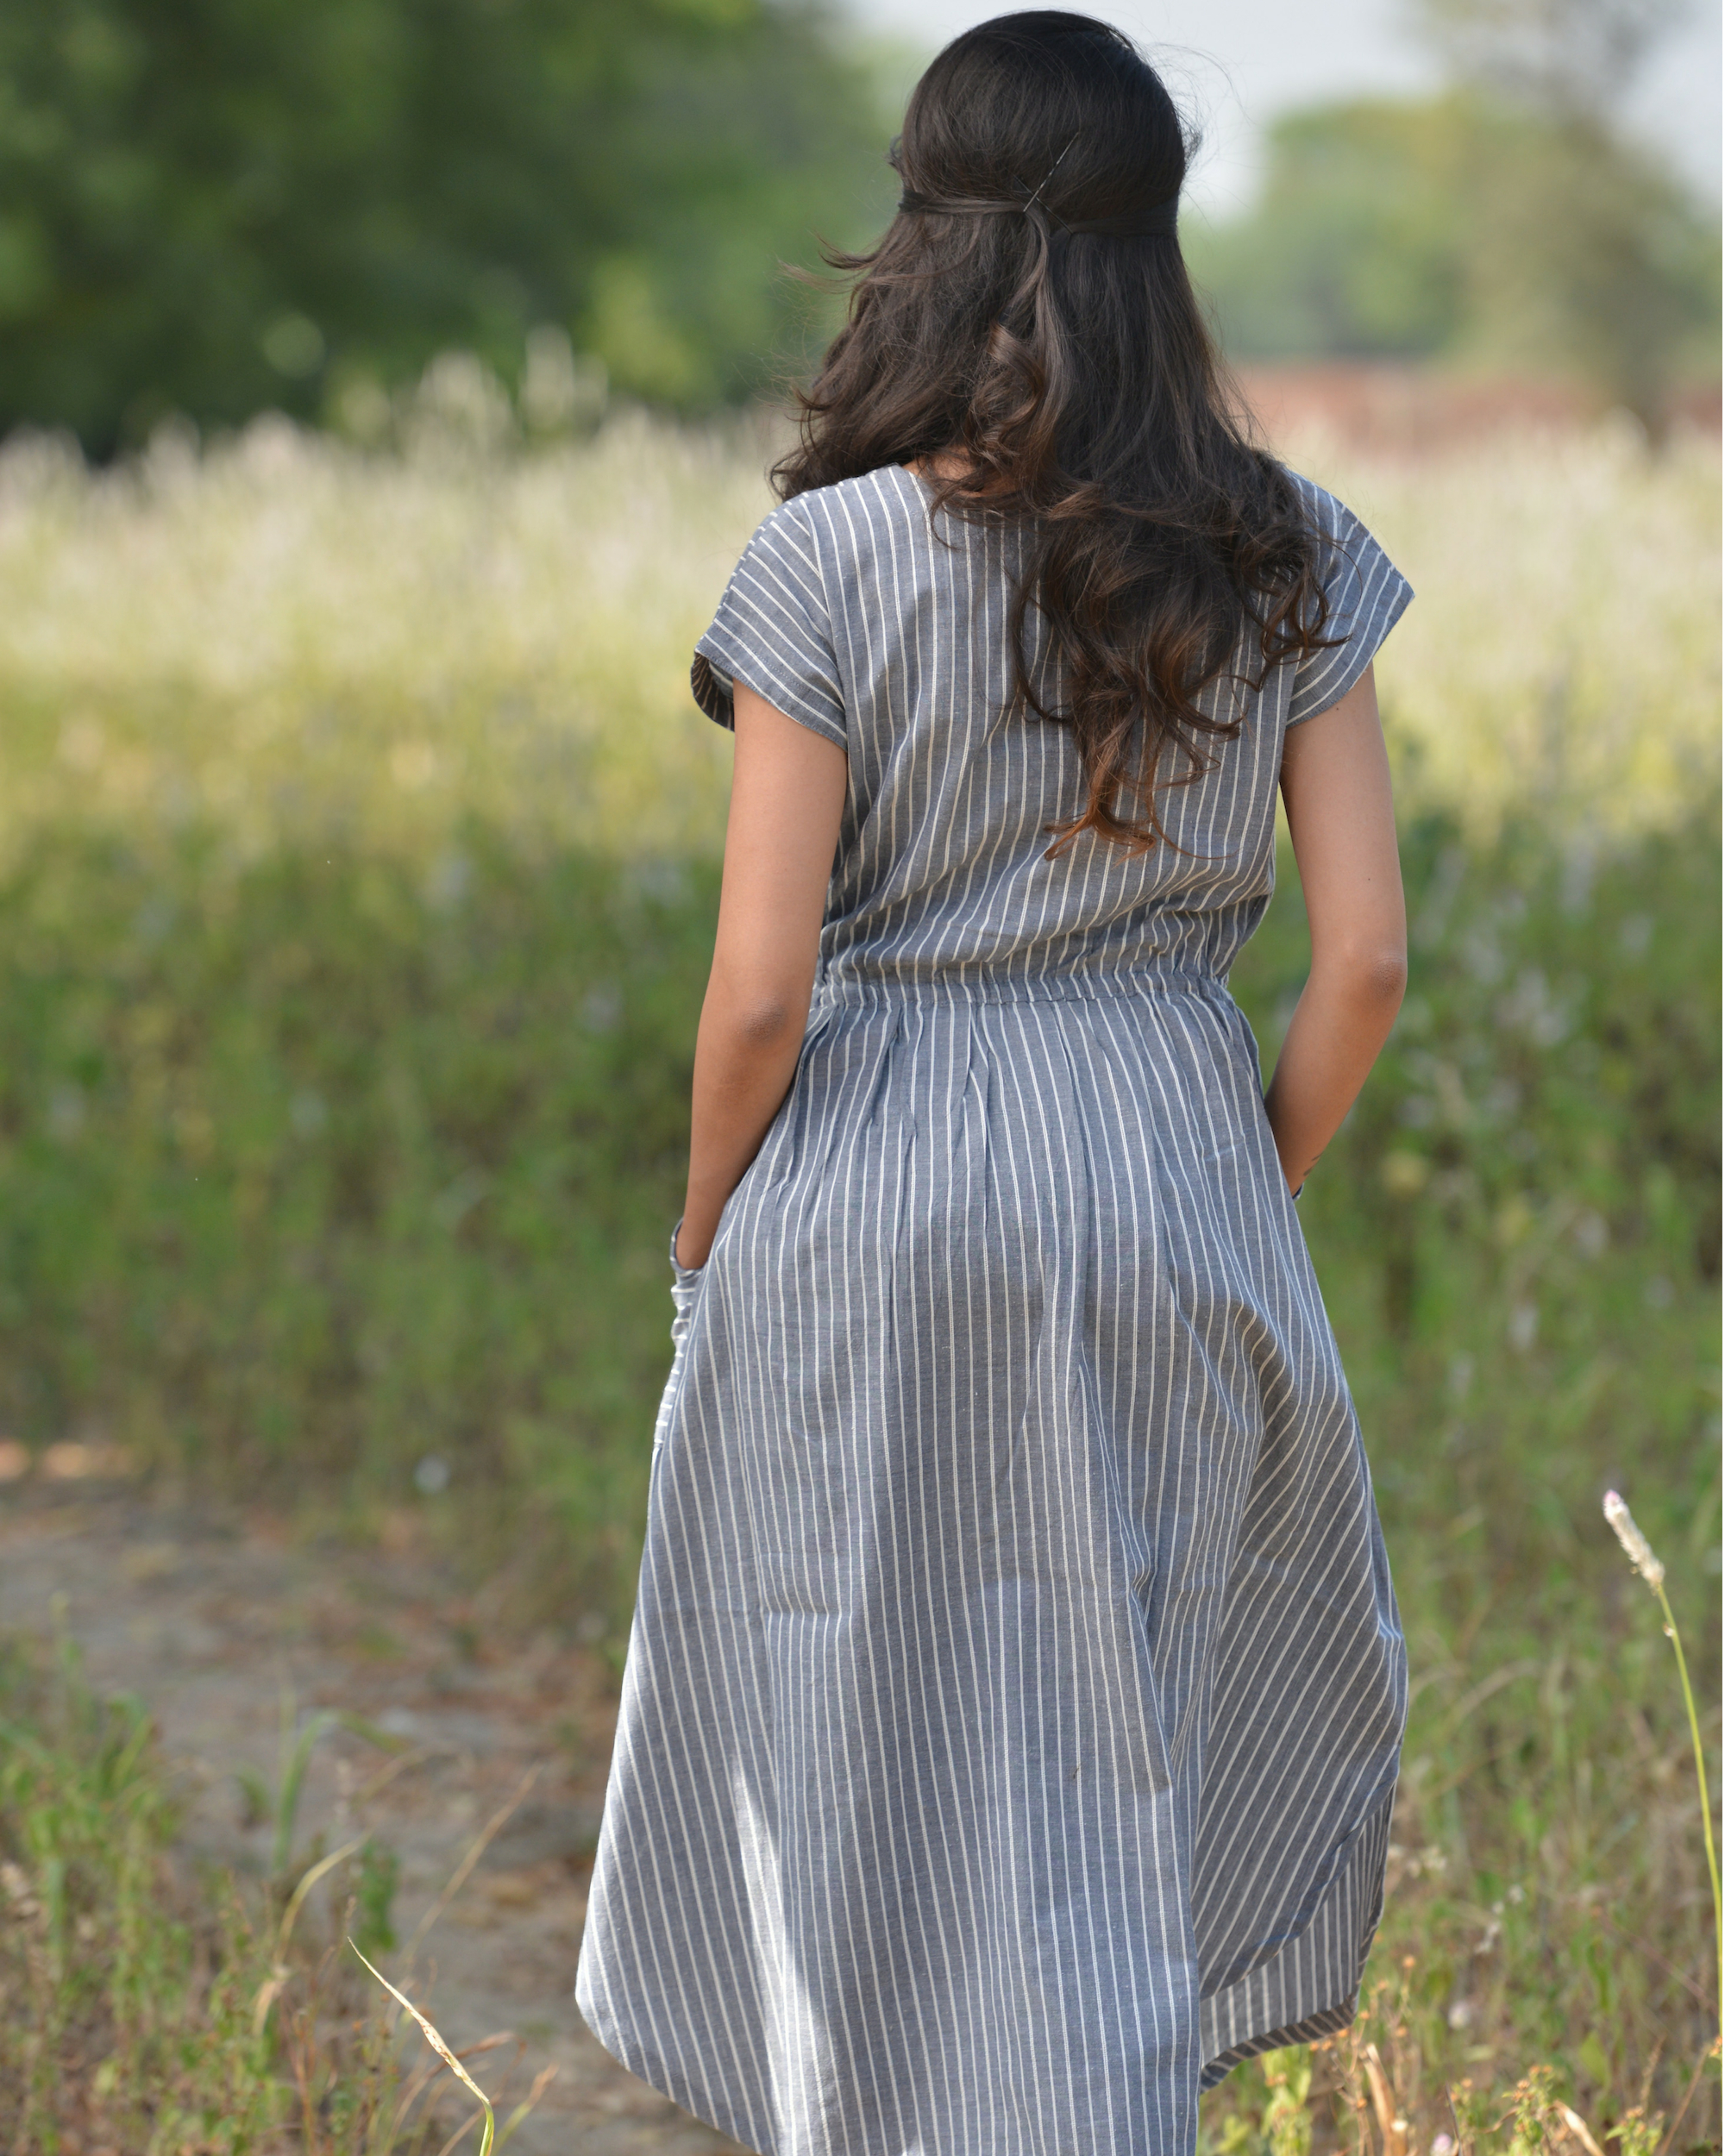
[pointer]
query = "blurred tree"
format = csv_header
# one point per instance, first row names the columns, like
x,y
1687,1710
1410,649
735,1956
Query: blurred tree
x,y
216,206
1590,261
1359,245
1559,57
1509,221
1588,251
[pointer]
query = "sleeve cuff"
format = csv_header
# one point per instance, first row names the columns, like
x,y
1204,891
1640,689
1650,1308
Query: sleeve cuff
x,y
718,668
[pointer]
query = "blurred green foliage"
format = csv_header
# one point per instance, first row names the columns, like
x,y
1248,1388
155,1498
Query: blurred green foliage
x,y
320,1169
147,2011
212,207
1514,221
216,208
1471,229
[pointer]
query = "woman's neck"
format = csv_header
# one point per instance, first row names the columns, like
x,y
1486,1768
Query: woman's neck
x,y
944,464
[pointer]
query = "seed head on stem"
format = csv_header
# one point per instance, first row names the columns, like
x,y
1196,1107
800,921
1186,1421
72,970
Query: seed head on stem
x,y
1635,1543
1641,1554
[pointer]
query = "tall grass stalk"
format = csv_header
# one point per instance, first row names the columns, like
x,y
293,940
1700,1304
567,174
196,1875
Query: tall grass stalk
x,y
448,2058
491,2138
1640,1553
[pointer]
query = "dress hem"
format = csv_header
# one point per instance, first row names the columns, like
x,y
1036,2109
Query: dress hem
x,y
647,2068
1327,2021
1310,1987
1329,1951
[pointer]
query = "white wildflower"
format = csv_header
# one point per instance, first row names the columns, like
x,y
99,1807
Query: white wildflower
x,y
1635,1543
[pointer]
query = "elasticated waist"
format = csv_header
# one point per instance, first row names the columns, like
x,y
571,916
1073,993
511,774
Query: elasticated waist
x,y
1095,986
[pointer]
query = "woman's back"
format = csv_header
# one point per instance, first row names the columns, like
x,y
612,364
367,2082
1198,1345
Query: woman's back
x,y
887,631
1012,1715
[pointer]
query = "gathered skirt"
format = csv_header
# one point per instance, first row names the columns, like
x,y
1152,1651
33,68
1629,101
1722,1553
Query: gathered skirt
x,y
1013,1702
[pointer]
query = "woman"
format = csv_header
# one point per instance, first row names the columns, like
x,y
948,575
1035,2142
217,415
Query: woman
x,y
1013,1704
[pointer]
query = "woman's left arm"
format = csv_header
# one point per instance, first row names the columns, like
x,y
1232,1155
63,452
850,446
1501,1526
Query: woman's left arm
x,y
786,800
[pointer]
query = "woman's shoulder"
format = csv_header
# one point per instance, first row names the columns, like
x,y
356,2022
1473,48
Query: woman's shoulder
x,y
1365,596
848,509
1330,517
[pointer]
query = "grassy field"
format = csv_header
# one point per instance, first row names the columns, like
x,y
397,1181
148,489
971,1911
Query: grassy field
x,y
285,641
357,864
146,2012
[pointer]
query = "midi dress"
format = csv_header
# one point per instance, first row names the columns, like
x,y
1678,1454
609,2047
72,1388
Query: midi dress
x,y
1014,1700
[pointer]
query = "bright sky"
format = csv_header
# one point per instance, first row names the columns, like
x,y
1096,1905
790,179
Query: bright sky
x,y
1238,63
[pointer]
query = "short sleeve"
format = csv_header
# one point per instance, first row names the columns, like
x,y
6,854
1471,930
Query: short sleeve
x,y
1368,595
772,632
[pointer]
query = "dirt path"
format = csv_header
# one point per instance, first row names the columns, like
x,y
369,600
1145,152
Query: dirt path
x,y
207,1619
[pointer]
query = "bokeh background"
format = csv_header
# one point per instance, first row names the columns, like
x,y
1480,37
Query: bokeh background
x,y
387,388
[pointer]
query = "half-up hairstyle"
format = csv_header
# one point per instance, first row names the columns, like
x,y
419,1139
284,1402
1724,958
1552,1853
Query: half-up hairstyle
x,y
1027,318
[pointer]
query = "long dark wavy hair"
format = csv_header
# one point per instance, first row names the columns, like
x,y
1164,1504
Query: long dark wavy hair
x,y
1028,319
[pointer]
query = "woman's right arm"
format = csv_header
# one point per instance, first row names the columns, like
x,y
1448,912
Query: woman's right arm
x,y
1335,786
786,800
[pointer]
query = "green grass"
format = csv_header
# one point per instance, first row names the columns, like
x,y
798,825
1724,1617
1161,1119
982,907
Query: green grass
x,y
283,639
148,2012
154,2015
311,1173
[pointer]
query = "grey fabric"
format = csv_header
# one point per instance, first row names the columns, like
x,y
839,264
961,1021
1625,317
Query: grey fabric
x,y
1013,1703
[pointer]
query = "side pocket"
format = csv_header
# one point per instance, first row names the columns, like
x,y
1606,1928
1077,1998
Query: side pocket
x,y
686,1287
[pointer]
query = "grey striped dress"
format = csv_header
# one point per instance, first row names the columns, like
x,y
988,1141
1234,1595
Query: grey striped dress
x,y
1012,1707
